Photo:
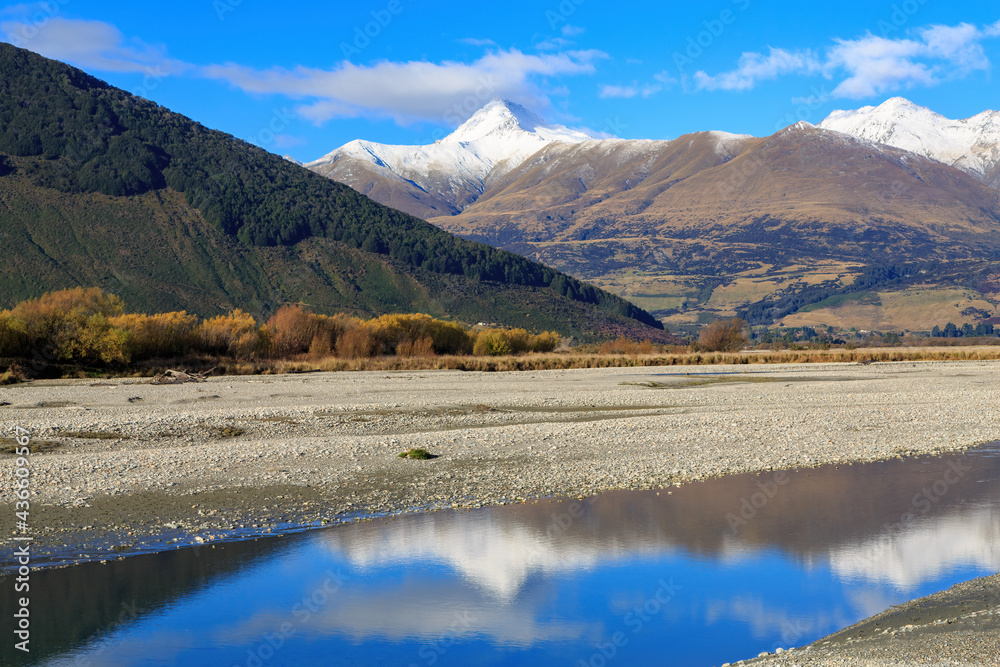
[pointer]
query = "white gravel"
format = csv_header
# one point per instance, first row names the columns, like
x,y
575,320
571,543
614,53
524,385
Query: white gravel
x,y
499,435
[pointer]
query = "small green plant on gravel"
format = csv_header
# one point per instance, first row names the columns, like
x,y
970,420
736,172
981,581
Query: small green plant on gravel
x,y
416,453
10,446
93,435
13,375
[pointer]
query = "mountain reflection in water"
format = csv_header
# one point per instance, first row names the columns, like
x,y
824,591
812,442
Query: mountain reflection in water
x,y
702,574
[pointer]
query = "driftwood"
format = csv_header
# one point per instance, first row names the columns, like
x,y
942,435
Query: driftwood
x,y
179,377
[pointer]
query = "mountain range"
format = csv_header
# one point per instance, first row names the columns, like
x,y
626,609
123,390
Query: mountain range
x,y
102,188
710,223
444,177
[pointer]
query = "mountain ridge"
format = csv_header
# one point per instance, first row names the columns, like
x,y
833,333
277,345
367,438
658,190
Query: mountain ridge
x,y
102,188
678,225
443,177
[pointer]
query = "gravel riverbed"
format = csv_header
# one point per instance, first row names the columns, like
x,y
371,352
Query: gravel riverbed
x,y
126,466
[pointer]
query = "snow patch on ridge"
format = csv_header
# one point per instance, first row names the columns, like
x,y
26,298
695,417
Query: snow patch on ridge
x,y
971,144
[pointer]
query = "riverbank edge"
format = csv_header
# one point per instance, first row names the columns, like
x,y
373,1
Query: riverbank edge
x,y
968,612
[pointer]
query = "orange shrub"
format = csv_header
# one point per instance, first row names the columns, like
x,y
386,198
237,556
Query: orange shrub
x,y
544,342
723,336
75,321
58,317
296,330
423,347
13,336
158,335
491,343
357,343
498,342
97,341
235,334
392,330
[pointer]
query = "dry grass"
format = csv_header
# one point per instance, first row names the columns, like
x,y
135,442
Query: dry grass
x,y
940,350
568,360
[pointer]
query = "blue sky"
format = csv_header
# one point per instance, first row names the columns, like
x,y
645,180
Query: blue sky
x,y
307,77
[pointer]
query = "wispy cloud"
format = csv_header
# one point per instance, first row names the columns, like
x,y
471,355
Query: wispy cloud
x,y
403,91
473,41
630,91
868,65
93,45
572,30
554,44
288,141
607,91
410,91
755,67
665,78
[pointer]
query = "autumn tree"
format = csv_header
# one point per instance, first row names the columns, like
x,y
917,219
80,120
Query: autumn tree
x,y
723,336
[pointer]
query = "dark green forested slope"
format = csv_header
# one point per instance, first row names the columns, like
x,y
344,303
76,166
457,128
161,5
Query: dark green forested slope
x,y
99,187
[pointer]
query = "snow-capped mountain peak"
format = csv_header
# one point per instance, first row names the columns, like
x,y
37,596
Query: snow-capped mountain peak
x,y
497,138
971,144
506,119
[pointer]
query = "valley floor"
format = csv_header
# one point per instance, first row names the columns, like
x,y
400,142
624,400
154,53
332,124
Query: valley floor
x,y
126,466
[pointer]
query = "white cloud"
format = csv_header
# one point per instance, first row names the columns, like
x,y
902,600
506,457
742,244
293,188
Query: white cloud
x,y
472,41
572,30
957,44
626,92
755,67
416,90
869,65
876,64
665,78
92,45
630,91
554,44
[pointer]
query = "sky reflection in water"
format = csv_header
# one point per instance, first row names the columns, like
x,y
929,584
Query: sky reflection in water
x,y
695,577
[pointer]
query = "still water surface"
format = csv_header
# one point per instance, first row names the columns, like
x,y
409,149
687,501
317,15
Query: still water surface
x,y
709,573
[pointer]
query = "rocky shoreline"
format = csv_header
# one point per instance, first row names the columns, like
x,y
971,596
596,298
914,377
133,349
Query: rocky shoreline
x,y
959,626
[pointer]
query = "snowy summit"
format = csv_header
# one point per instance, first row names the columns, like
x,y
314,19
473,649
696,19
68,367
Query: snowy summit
x,y
500,136
972,144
